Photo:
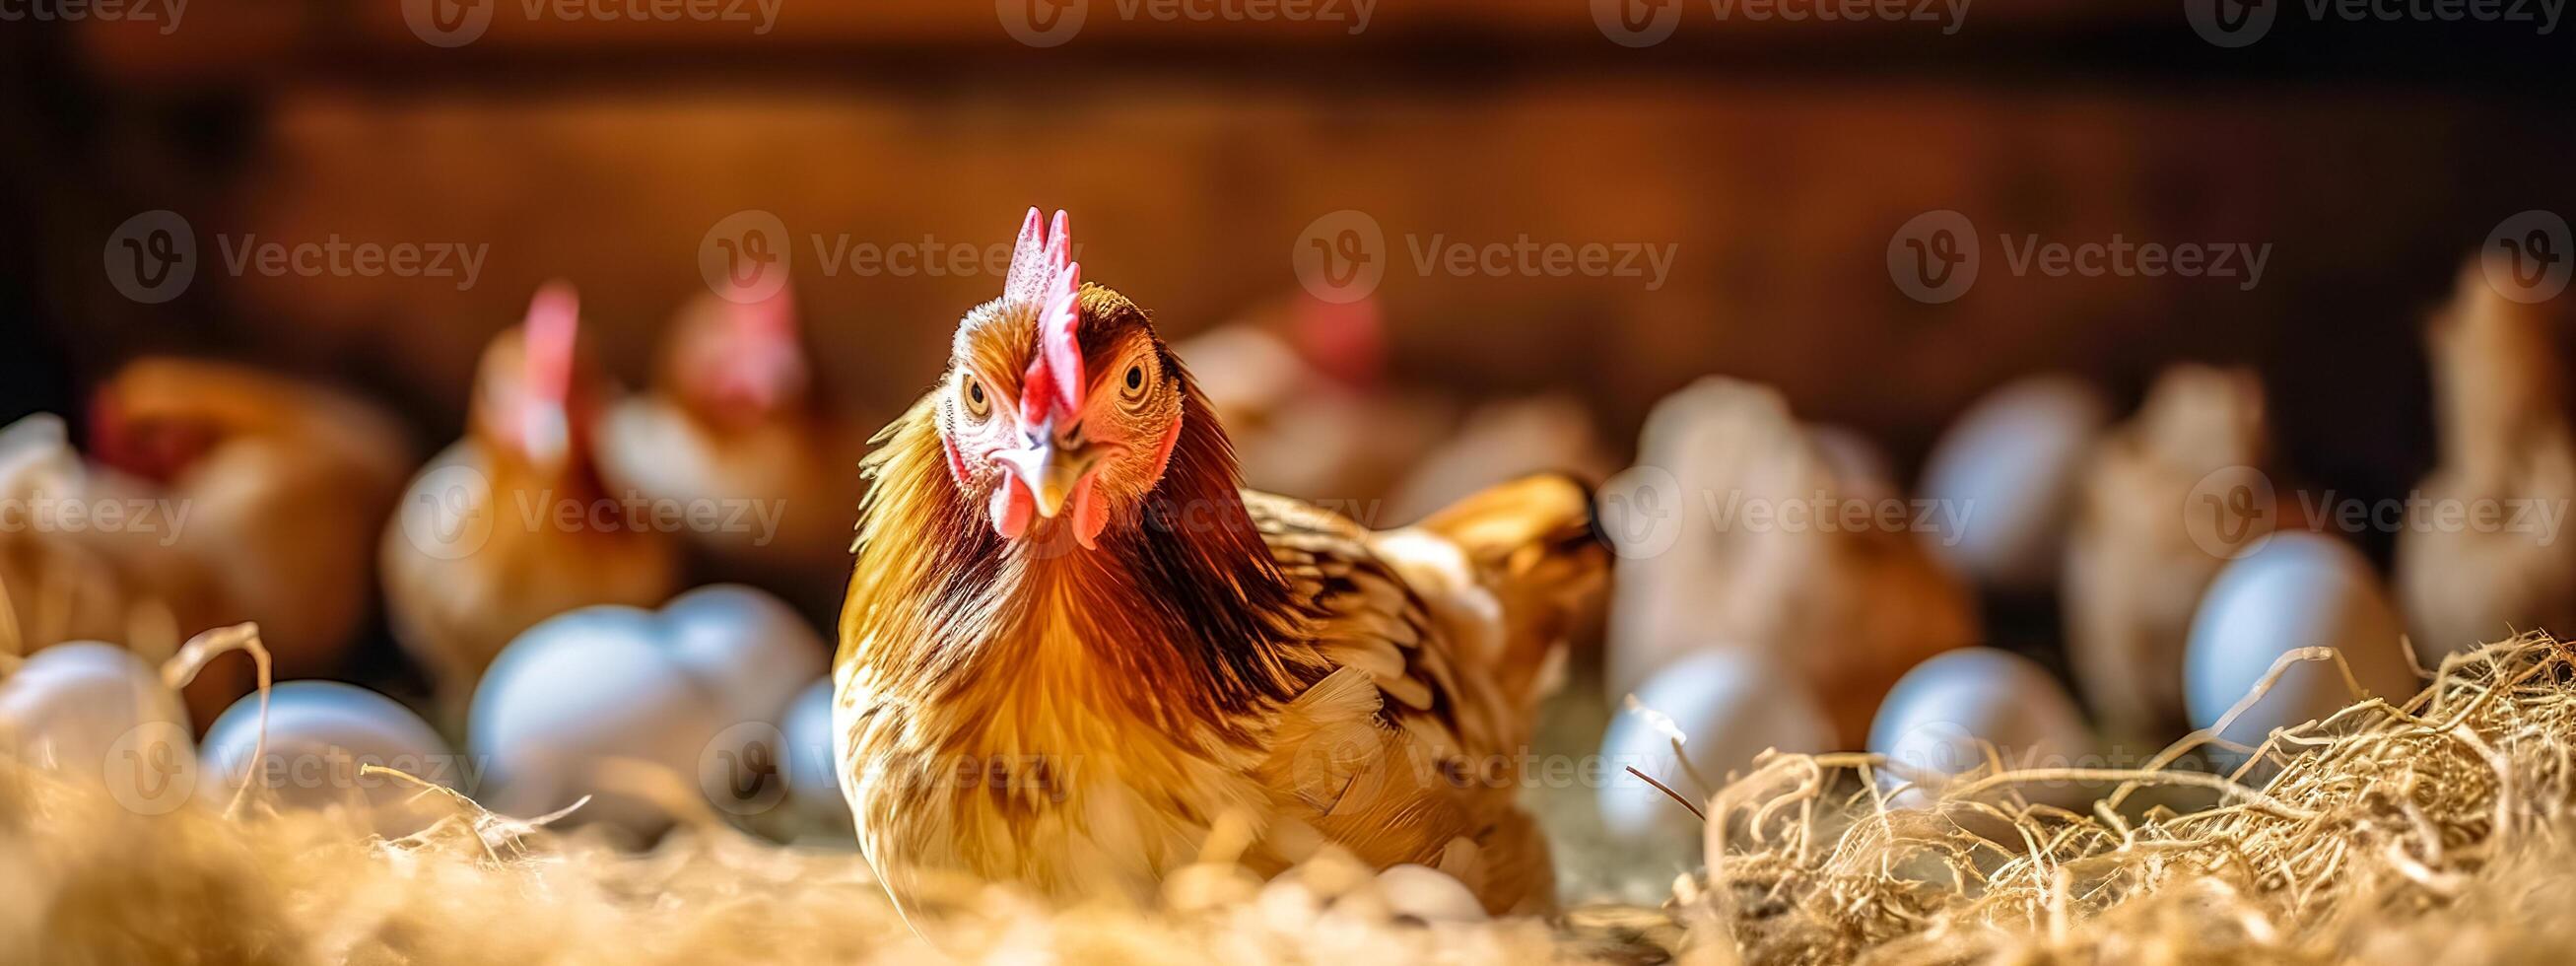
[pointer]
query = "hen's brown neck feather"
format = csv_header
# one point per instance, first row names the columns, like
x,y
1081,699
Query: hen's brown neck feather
x,y
1177,611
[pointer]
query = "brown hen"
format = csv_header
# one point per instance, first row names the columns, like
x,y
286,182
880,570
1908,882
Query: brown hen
x,y
1073,648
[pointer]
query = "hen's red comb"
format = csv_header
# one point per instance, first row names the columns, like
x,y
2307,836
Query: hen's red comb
x,y
1044,273
553,331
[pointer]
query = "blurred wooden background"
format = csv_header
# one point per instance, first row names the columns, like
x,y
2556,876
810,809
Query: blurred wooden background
x,y
1777,158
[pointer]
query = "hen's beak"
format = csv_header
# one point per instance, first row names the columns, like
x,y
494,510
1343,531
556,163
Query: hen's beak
x,y
1050,470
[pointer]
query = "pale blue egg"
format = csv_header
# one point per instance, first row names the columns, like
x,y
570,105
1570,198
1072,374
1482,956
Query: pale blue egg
x,y
576,691
99,712
2008,471
2296,590
750,647
1936,722
319,735
1729,705
813,773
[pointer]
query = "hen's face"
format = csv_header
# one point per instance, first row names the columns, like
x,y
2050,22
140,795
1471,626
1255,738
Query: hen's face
x,y
160,447
738,363
1034,452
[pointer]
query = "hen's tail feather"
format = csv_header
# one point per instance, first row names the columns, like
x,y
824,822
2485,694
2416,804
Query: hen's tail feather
x,y
1536,544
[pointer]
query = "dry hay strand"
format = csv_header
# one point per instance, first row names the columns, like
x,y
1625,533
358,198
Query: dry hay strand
x,y
2431,829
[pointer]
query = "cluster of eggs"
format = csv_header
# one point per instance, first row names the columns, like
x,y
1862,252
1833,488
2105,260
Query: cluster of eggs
x,y
719,693
2018,458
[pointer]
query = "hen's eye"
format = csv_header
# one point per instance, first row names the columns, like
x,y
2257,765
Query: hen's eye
x,y
1135,379
976,402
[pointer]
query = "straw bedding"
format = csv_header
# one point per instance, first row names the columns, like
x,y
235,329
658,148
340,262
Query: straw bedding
x,y
2432,830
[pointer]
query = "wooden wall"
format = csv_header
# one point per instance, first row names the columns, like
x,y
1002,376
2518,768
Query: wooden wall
x,y
1777,167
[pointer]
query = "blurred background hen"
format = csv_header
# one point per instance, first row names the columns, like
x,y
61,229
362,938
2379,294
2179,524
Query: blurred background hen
x,y
485,551
735,417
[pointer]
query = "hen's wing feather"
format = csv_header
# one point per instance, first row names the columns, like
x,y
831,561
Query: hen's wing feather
x,y
1362,612
1407,751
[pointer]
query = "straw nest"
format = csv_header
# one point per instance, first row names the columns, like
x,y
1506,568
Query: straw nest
x,y
2432,829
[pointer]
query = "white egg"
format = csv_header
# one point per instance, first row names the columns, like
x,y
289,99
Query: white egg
x,y
1428,894
98,712
813,772
1932,724
577,690
753,649
2298,590
319,735
2010,467
1729,705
